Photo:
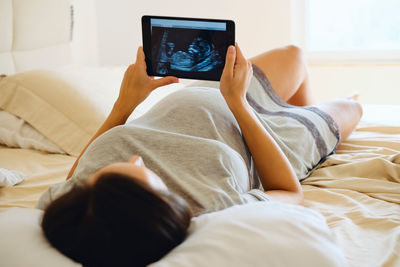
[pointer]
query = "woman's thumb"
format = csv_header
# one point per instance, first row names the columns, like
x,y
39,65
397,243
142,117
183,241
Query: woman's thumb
x,y
165,81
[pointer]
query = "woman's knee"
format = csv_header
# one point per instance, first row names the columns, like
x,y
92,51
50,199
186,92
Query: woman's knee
x,y
295,53
294,58
285,68
284,53
294,49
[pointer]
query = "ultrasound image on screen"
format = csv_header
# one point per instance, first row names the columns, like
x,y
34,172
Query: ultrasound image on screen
x,y
179,50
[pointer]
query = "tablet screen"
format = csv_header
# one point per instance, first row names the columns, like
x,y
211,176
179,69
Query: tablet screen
x,y
187,48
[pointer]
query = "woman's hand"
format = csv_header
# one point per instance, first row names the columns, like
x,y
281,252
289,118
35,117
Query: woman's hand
x,y
137,85
235,78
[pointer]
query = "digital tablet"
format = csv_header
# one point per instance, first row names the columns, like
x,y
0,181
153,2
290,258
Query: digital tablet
x,y
190,48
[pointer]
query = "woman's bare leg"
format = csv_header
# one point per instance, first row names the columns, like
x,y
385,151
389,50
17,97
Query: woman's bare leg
x,y
346,112
288,74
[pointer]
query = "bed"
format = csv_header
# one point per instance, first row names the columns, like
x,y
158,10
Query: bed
x,y
352,201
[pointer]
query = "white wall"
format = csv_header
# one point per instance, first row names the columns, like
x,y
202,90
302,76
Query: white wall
x,y
260,25
84,41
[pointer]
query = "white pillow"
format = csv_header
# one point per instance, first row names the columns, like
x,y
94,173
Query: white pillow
x,y
15,132
22,242
257,234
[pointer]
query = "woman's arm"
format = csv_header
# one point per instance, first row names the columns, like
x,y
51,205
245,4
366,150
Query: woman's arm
x,y
276,174
116,117
135,88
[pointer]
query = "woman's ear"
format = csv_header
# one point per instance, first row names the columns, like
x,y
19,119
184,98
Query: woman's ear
x,y
136,160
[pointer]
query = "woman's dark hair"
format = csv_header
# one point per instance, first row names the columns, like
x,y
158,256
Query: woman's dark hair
x,y
118,221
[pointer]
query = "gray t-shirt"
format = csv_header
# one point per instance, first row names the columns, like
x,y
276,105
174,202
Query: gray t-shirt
x,y
192,141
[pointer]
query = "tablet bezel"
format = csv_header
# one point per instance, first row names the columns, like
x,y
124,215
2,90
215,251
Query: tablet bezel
x,y
146,35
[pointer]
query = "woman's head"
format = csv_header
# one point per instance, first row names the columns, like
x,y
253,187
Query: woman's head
x,y
117,220
135,169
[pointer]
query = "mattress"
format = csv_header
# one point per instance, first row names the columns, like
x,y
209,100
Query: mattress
x,y
357,189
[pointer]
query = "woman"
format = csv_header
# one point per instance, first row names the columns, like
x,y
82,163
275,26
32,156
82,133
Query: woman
x,y
201,149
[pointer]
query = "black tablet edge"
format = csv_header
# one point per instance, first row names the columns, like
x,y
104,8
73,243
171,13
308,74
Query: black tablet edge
x,y
146,39
147,44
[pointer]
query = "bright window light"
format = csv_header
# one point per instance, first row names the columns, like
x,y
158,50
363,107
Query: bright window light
x,y
352,25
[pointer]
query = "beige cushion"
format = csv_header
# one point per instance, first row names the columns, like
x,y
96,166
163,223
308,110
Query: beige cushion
x,y
53,105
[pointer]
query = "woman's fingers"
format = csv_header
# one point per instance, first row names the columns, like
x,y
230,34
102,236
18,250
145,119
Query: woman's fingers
x,y
235,63
164,81
240,59
229,61
250,72
140,54
140,59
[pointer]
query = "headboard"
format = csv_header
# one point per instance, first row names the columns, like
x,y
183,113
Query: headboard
x,y
34,34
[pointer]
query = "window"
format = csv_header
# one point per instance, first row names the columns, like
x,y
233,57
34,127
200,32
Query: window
x,y
349,30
